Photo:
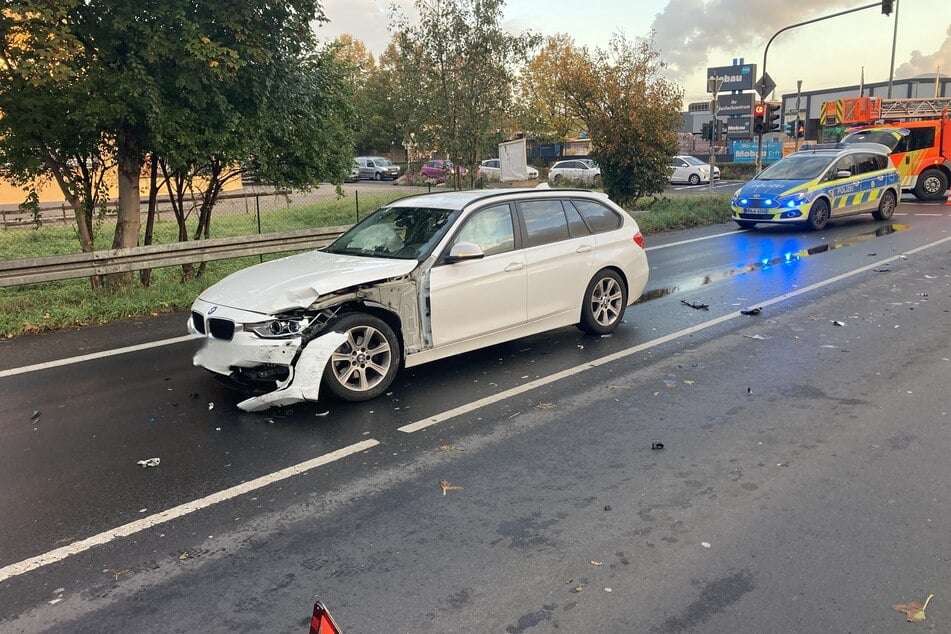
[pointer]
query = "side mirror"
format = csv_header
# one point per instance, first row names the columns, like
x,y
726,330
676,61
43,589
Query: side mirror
x,y
463,251
843,174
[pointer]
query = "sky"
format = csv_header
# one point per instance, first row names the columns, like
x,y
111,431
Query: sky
x,y
693,35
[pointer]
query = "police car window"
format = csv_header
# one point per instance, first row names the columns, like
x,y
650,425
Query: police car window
x,y
598,217
846,163
881,161
545,221
491,229
865,163
796,167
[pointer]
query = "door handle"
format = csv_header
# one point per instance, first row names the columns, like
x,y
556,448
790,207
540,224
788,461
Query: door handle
x,y
514,266
584,248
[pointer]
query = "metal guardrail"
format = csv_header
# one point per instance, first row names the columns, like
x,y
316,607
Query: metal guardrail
x,y
65,267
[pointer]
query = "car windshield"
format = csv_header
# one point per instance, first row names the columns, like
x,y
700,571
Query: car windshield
x,y
405,233
383,161
693,160
796,167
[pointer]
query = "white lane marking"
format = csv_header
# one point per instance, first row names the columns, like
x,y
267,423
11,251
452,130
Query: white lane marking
x,y
94,355
921,214
716,235
179,511
515,391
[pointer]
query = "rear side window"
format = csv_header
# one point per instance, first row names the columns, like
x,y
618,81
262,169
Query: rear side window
x,y
598,217
866,163
545,221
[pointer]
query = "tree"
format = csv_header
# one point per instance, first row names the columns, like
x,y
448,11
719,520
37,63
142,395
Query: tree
x,y
543,104
49,127
631,113
454,67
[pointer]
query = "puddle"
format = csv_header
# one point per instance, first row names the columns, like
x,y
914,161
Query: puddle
x,y
766,263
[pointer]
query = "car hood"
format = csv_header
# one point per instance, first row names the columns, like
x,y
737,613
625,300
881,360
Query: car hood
x,y
297,281
760,188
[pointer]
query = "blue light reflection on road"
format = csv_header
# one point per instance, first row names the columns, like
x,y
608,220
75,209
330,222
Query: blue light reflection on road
x,y
786,255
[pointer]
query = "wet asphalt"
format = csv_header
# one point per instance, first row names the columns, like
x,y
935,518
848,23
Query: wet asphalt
x,y
800,488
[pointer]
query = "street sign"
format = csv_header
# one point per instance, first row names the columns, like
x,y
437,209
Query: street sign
x,y
745,151
765,85
738,128
732,105
739,77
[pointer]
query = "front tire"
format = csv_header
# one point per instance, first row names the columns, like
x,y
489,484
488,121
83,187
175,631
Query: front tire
x,y
364,365
931,185
886,206
818,215
604,302
694,179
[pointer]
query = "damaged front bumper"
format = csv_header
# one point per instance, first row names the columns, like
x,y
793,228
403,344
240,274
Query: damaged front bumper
x,y
289,370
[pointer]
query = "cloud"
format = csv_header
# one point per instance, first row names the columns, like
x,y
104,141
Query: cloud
x,y
366,20
687,30
921,64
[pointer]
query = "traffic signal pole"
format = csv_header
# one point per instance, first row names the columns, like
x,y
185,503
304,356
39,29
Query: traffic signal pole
x,y
880,3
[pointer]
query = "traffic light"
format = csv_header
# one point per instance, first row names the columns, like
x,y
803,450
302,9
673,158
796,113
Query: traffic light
x,y
788,128
800,128
887,7
759,117
773,115
718,130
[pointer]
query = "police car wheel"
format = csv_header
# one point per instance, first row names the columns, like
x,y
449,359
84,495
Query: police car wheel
x,y
818,215
886,206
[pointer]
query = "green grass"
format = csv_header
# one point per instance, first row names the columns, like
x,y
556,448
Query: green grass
x,y
51,306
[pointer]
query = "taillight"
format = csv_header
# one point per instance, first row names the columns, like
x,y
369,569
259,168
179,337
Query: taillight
x,y
639,239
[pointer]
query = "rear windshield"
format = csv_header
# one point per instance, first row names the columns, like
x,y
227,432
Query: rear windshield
x,y
796,167
888,138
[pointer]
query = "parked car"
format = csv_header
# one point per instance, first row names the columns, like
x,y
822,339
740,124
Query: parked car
x,y
377,167
441,170
583,171
690,169
423,278
354,174
491,170
819,183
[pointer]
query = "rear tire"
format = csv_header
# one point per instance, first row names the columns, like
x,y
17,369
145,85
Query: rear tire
x,y
886,206
364,365
931,185
818,215
604,302
377,176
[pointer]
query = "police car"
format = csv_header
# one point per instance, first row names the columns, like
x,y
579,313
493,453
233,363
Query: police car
x,y
820,183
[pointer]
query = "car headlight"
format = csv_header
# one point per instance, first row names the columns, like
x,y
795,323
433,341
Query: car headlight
x,y
280,328
791,201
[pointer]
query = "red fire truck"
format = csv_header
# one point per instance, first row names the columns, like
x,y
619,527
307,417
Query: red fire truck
x,y
917,131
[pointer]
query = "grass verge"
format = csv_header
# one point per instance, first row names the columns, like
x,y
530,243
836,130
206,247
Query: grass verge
x,y
52,306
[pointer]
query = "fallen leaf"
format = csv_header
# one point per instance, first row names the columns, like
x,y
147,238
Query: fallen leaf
x,y
577,589
914,610
183,555
449,447
596,563
116,573
545,406
688,382
446,486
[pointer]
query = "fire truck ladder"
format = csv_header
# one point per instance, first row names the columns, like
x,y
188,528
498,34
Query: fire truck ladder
x,y
899,109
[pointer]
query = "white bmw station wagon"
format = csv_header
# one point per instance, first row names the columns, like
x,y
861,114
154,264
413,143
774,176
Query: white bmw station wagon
x,y
421,279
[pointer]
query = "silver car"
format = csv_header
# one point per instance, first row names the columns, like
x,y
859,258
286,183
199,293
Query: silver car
x,y
377,167
424,278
